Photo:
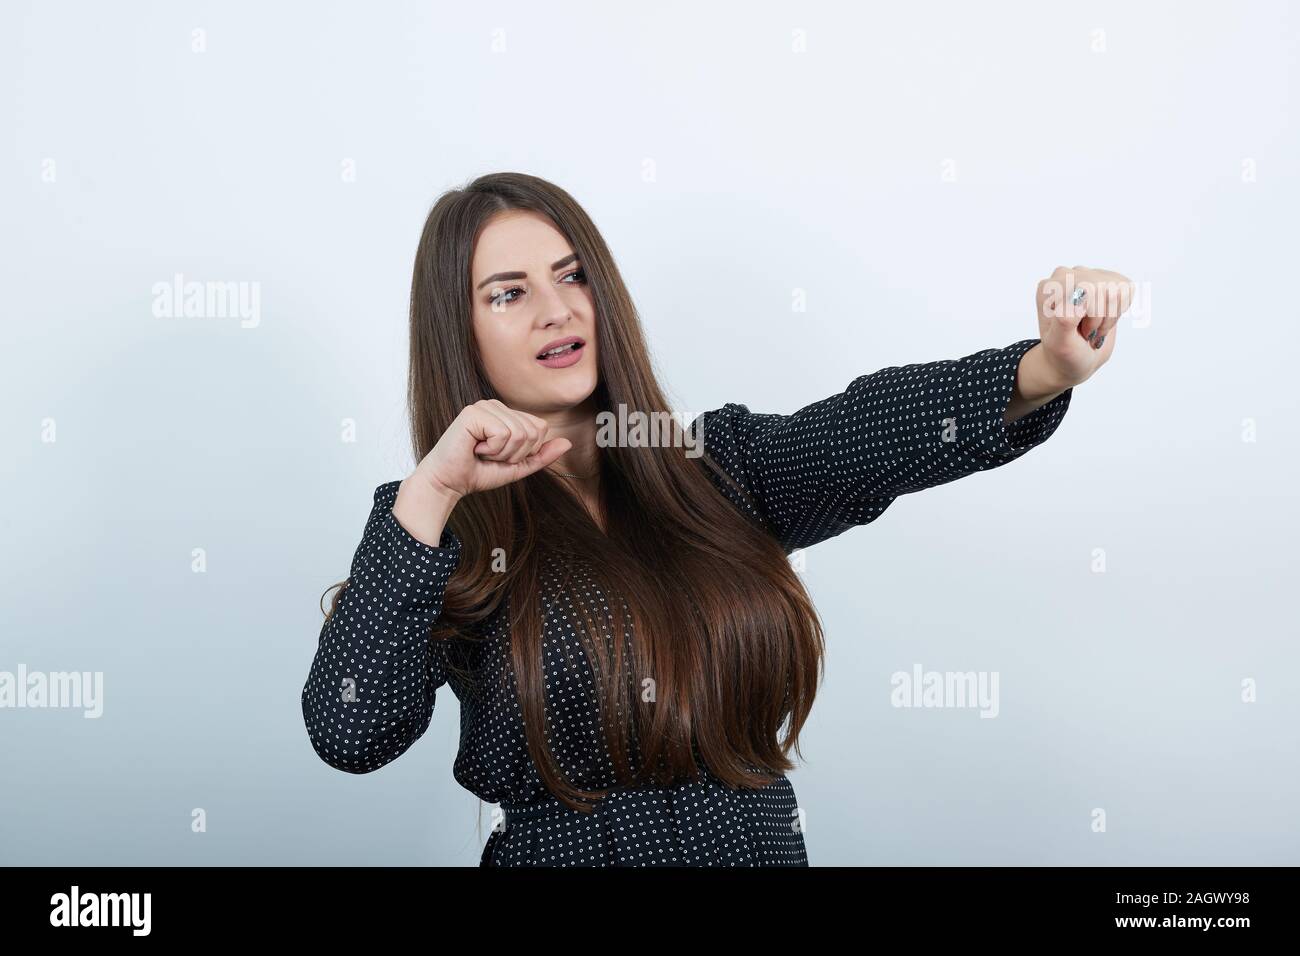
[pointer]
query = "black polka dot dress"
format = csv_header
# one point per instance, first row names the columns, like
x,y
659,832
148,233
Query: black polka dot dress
x,y
809,476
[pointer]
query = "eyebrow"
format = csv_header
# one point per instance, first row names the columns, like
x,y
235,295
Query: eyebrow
x,y
502,276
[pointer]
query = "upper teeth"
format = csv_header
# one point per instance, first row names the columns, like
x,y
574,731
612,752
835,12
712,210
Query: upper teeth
x,y
560,348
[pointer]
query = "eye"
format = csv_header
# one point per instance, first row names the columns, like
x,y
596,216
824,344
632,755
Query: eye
x,y
498,299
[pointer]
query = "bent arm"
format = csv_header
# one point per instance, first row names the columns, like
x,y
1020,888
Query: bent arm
x,y
370,692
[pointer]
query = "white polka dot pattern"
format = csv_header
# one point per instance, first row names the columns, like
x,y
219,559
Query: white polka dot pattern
x,y
808,476
375,642
839,462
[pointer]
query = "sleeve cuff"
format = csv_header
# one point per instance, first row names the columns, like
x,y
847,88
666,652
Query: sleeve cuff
x,y
414,574
987,388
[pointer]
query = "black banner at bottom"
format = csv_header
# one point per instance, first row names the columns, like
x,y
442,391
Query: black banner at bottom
x,y
359,905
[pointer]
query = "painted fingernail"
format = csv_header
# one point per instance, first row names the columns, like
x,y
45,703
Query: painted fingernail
x,y
1090,336
1097,344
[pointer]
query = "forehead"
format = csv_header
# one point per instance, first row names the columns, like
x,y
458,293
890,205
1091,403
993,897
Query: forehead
x,y
518,239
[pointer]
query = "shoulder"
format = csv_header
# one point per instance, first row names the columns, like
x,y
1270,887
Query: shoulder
x,y
386,493
720,427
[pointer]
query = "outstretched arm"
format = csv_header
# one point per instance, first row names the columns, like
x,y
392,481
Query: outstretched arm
x,y
841,461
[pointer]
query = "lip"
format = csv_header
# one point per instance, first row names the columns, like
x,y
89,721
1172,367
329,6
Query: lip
x,y
565,359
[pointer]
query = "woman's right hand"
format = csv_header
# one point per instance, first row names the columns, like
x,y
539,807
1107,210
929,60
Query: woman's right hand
x,y
489,445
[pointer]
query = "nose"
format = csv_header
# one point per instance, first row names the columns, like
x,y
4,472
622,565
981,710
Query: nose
x,y
553,311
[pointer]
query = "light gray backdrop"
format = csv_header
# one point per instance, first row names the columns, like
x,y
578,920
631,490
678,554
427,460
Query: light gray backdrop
x,y
178,491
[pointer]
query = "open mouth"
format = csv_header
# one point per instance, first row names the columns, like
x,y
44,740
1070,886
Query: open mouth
x,y
562,352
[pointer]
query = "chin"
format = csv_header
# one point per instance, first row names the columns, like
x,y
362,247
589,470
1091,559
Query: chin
x,y
573,397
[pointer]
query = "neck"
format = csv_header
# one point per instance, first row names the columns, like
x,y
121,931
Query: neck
x,y
582,459
578,425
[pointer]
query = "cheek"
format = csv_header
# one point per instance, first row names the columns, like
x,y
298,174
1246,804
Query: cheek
x,y
495,346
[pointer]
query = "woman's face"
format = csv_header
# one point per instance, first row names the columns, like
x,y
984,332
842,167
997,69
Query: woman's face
x,y
530,293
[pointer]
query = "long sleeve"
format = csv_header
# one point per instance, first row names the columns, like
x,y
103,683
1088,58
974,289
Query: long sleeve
x,y
841,461
370,692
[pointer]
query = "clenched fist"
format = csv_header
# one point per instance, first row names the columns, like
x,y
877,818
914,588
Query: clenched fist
x,y
1078,310
486,446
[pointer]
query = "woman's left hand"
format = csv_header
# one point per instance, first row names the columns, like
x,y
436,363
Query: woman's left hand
x,y
1078,338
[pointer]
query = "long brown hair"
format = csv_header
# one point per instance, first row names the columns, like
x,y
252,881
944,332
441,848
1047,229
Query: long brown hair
x,y
714,619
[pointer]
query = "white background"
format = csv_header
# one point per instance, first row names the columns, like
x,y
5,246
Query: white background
x,y
728,167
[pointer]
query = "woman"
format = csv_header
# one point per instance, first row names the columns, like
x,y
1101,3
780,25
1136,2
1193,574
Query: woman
x,y
526,539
